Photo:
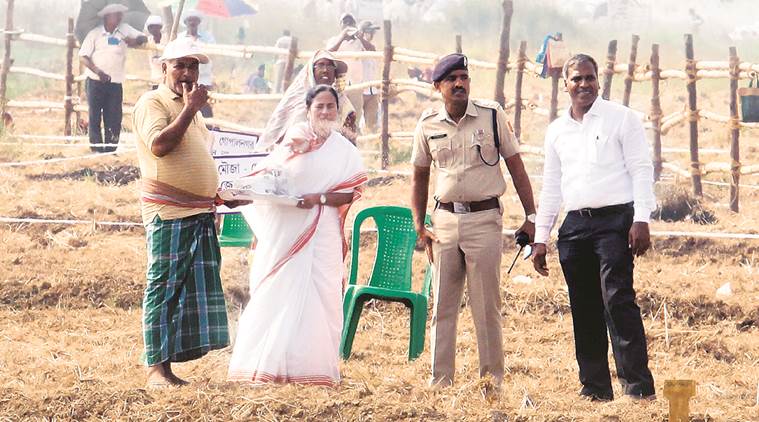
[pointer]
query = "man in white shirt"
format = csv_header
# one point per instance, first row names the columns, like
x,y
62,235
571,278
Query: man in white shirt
x,y
358,38
598,165
153,27
282,42
192,21
103,53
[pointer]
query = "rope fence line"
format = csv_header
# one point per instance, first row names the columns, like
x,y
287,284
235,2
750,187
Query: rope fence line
x,y
63,159
664,233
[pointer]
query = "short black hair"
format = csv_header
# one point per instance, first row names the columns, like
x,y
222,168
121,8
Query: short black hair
x,y
577,59
318,89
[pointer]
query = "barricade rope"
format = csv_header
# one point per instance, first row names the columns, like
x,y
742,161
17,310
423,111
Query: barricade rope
x,y
63,159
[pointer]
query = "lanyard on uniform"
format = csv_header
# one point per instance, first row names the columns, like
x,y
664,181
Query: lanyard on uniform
x,y
497,141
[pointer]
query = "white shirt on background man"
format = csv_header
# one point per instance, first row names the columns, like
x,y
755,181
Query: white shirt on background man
x,y
603,160
108,51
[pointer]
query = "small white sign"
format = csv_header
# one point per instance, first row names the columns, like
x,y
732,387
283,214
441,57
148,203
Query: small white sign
x,y
234,157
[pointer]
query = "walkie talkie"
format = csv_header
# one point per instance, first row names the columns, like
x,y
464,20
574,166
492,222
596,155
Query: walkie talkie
x,y
523,240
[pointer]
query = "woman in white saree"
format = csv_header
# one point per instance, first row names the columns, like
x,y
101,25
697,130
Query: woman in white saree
x,y
290,330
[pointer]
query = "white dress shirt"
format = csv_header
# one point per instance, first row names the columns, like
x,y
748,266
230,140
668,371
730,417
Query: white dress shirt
x,y
603,160
108,51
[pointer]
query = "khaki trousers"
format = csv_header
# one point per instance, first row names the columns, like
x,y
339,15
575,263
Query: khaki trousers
x,y
366,106
469,248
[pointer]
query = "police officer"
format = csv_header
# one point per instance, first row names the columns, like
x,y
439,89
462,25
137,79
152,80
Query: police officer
x,y
465,139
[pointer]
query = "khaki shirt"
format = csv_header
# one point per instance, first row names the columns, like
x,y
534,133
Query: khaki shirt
x,y
462,175
189,166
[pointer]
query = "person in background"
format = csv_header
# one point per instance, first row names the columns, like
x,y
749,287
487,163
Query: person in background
x,y
154,26
192,21
257,82
359,38
103,53
282,42
597,165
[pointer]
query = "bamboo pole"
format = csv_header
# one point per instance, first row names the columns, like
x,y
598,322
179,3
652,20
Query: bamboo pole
x,y
290,65
69,103
521,60
503,52
6,66
555,73
177,19
630,70
167,16
459,45
384,106
611,58
690,71
656,112
735,131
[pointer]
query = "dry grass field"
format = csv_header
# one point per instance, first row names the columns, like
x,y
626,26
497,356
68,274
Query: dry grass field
x,y
70,297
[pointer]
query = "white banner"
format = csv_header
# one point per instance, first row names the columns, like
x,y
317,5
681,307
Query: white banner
x,y
234,157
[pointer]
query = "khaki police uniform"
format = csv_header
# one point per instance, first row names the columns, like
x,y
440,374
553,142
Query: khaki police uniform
x,y
470,243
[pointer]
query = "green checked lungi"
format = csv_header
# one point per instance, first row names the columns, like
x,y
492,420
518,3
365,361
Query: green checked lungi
x,y
184,314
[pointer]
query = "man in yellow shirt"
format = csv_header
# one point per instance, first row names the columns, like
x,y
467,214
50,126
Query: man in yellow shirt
x,y
184,313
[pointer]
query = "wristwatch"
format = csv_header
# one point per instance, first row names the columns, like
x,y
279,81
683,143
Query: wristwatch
x,y
323,199
531,218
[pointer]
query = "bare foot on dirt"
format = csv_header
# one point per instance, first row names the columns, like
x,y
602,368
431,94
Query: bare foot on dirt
x,y
160,376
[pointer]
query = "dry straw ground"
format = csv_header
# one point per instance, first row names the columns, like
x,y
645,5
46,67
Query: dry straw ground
x,y
70,297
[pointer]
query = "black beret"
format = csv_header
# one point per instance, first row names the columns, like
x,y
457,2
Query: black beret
x,y
448,64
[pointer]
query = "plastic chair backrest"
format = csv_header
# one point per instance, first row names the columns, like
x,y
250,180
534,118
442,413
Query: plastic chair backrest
x,y
234,227
396,239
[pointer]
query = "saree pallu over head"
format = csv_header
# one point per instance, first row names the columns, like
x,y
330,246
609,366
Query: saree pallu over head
x,y
290,329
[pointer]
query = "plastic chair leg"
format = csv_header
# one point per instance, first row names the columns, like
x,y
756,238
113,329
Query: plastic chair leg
x,y
350,324
418,328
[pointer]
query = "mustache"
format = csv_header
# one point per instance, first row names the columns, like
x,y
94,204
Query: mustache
x,y
455,90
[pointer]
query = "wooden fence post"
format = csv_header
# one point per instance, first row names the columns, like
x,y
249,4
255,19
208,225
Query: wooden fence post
x,y
630,70
691,74
459,45
6,67
611,59
68,100
167,16
521,60
656,112
290,65
385,104
503,51
735,131
555,74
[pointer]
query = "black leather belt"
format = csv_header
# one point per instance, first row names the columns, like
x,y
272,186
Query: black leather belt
x,y
467,207
603,211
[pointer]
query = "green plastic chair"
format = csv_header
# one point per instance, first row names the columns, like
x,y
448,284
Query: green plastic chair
x,y
235,232
391,275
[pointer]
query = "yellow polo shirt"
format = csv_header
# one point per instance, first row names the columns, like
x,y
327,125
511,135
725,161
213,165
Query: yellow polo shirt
x,y
189,166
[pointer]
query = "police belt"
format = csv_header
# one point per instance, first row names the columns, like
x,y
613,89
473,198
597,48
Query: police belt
x,y
466,207
603,211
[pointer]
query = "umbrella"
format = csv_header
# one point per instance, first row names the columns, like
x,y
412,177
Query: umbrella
x,y
222,8
88,15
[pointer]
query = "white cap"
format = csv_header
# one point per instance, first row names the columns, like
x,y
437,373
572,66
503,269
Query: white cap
x,y
112,8
192,13
183,47
153,20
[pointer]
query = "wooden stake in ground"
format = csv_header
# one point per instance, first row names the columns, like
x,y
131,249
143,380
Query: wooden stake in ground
x,y
503,52
6,67
68,100
679,392
290,65
611,59
630,70
177,19
656,113
521,60
167,16
555,76
385,104
459,45
691,74
735,131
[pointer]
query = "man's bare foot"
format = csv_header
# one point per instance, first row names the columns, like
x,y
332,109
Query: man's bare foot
x,y
160,376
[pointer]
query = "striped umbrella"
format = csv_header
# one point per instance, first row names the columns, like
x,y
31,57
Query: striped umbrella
x,y
222,8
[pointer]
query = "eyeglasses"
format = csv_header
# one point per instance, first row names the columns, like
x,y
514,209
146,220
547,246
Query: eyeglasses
x,y
325,66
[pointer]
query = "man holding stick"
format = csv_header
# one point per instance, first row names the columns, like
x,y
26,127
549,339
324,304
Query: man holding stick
x,y
597,163
184,313
466,140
